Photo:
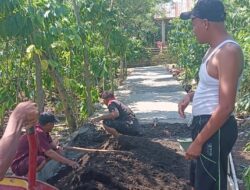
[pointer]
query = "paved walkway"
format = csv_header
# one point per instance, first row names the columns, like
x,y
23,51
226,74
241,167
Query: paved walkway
x,y
152,92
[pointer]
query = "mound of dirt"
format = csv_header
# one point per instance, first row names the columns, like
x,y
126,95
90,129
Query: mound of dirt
x,y
151,161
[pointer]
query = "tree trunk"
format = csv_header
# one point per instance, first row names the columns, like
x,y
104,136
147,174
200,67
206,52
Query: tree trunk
x,y
39,85
111,5
111,75
121,69
87,80
86,72
125,66
64,97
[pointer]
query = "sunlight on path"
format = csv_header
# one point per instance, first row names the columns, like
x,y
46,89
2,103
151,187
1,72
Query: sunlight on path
x,y
151,92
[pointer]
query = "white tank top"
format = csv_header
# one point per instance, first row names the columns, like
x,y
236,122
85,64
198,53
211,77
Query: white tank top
x,y
206,96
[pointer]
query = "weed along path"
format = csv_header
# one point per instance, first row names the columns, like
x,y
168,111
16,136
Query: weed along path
x,y
153,161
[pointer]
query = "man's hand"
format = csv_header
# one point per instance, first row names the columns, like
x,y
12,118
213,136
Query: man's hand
x,y
193,151
183,104
26,112
95,120
73,164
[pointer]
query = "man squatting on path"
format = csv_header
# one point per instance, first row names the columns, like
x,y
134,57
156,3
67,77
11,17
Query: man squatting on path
x,y
214,128
47,149
120,118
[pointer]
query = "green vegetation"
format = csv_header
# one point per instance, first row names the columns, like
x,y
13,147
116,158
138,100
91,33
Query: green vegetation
x,y
247,178
64,52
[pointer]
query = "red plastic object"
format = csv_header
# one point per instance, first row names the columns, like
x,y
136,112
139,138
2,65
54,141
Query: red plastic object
x,y
32,158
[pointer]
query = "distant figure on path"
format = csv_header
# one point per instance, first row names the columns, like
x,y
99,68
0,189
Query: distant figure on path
x,y
120,118
214,128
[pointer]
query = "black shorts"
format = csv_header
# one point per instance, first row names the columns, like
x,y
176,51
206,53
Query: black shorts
x,y
123,127
209,170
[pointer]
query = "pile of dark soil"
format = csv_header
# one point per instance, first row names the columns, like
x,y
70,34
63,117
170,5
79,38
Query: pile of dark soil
x,y
151,161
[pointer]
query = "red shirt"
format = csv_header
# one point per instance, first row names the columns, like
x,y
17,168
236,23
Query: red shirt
x,y
43,143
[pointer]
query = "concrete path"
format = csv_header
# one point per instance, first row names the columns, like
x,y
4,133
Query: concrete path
x,y
152,92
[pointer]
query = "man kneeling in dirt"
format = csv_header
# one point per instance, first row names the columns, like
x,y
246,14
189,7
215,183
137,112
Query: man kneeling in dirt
x,y
120,119
47,148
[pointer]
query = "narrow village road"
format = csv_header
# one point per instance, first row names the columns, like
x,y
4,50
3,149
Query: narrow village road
x,y
153,94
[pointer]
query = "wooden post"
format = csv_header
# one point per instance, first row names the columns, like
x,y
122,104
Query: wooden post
x,y
163,38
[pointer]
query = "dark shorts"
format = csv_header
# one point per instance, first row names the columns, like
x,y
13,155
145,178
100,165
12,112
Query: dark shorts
x,y
123,127
209,170
21,168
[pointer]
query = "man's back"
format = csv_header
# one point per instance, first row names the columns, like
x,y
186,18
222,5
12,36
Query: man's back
x,y
125,113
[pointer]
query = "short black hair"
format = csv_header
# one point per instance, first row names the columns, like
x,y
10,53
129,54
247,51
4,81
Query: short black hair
x,y
47,117
107,94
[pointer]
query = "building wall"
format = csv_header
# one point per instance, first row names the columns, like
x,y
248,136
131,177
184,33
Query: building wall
x,y
173,9
183,6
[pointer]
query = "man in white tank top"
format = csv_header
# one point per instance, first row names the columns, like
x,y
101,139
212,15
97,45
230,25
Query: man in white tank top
x,y
214,129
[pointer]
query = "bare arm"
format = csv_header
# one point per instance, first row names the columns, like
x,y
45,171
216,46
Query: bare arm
x,y
184,103
114,114
56,156
25,114
230,63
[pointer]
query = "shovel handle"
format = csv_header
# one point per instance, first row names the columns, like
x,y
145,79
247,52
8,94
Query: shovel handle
x,y
80,149
30,131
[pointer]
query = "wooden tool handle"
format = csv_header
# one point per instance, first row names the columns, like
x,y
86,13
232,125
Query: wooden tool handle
x,y
80,149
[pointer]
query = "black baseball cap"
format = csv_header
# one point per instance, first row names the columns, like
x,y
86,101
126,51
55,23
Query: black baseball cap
x,y
47,117
212,10
107,94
